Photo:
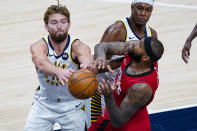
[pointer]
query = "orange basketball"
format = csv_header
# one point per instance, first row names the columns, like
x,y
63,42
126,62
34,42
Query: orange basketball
x,y
82,84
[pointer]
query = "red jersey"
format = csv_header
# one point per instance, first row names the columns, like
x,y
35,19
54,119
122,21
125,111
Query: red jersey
x,y
140,121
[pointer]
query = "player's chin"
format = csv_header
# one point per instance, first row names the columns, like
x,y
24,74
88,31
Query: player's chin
x,y
141,23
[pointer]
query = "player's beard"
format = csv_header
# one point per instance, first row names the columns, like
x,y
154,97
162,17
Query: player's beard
x,y
135,57
59,38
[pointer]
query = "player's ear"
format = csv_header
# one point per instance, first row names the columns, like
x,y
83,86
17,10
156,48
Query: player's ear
x,y
145,58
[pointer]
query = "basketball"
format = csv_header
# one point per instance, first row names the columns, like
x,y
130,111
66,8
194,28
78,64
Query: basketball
x,y
82,84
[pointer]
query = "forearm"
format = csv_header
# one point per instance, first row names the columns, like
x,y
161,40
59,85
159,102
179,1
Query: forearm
x,y
193,34
111,48
100,50
117,117
85,59
46,67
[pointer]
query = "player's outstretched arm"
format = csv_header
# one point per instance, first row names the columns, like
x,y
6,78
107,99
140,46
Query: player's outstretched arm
x,y
39,57
187,46
82,53
103,49
39,52
137,96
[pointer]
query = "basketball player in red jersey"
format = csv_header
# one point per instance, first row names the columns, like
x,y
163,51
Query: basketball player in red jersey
x,y
126,106
132,28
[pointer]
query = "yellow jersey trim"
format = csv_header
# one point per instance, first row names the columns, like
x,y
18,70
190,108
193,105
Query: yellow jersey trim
x,y
70,54
126,31
150,31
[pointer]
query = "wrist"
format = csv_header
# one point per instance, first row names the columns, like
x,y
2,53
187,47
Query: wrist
x,y
188,40
57,71
108,97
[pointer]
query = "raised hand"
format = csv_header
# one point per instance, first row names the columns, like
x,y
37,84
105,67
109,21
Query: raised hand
x,y
106,89
186,51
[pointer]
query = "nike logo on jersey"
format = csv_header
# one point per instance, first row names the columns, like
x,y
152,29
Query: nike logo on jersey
x,y
130,38
78,105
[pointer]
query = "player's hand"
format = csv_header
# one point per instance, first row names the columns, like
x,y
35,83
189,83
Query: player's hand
x,y
63,75
90,67
186,51
102,63
106,88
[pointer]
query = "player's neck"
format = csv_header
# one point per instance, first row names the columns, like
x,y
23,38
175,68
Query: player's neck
x,y
139,67
58,47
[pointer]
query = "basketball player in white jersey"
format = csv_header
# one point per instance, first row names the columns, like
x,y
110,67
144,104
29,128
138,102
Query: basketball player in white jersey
x,y
56,56
132,28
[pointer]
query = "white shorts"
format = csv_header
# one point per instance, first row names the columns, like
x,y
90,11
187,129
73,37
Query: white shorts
x,y
43,116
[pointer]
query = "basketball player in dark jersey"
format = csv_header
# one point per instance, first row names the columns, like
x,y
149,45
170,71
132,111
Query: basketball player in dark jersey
x,y
188,44
133,28
126,105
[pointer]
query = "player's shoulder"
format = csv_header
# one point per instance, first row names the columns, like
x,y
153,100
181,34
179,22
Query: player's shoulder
x,y
115,32
38,44
117,26
153,31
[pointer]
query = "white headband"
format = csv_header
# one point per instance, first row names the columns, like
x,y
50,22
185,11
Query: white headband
x,y
150,2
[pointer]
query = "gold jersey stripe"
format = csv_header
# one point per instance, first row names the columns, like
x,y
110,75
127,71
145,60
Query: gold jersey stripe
x,y
126,31
150,31
71,52
96,109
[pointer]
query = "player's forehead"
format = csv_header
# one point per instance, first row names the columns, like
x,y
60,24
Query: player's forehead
x,y
57,16
144,5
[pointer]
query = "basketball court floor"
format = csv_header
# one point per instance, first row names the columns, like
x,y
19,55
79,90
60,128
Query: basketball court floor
x,y
21,24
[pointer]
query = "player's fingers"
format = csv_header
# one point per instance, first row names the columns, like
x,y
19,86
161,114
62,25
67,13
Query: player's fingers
x,y
107,88
184,56
109,69
71,70
103,64
109,85
99,64
101,87
61,81
95,64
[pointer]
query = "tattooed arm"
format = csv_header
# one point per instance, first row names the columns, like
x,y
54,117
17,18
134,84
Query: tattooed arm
x,y
109,48
137,96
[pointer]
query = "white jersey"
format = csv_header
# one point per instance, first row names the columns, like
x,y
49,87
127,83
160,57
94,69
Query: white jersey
x,y
50,87
130,34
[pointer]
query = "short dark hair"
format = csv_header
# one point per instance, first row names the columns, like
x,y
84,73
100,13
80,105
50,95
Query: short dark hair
x,y
157,47
154,48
